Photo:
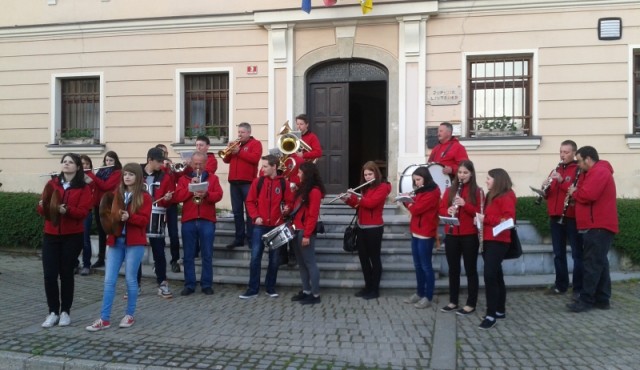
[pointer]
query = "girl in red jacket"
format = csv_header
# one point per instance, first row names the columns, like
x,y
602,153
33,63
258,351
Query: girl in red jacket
x,y
126,246
423,227
462,200
370,226
500,206
65,203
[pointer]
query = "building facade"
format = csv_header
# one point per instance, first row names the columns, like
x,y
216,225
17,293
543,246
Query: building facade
x,y
515,78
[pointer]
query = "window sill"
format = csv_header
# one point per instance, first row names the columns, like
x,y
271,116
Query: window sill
x,y
501,143
633,141
75,148
184,148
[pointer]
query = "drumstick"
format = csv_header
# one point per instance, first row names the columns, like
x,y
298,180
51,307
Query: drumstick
x,y
156,202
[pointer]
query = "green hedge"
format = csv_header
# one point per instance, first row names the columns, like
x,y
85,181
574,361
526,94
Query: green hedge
x,y
20,225
526,209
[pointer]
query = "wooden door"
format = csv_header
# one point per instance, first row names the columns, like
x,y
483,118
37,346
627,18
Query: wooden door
x,y
328,111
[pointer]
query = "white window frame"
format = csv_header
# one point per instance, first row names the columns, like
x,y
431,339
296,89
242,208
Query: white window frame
x,y
633,141
180,73
520,143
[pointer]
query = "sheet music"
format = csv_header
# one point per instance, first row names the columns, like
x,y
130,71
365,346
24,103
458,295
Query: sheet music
x,y
201,186
453,221
504,225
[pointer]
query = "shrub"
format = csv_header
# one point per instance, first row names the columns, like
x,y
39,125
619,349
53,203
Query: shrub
x,y
526,209
628,239
21,225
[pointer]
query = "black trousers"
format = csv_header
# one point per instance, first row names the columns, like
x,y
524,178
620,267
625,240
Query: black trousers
x,y
59,257
495,290
465,247
369,244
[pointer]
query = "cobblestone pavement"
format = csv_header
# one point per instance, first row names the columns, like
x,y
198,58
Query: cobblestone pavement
x,y
343,332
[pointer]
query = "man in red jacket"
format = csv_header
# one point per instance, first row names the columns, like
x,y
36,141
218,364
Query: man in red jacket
x,y
243,162
268,202
449,152
597,220
562,178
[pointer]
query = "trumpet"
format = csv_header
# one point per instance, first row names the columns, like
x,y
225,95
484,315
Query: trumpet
x,y
197,200
352,191
177,167
226,151
542,193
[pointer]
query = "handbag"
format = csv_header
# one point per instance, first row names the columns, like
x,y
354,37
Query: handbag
x,y
319,227
351,236
515,248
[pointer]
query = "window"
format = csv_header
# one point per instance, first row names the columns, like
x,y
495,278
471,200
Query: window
x,y
636,92
499,95
80,108
206,105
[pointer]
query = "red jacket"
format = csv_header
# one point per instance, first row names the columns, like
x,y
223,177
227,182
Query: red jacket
x,y
243,166
558,191
211,166
449,154
207,208
136,231
103,186
501,208
308,213
167,184
371,205
78,201
595,199
466,213
316,149
266,205
424,213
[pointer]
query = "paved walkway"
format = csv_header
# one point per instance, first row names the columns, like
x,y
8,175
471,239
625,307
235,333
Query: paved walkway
x,y
343,332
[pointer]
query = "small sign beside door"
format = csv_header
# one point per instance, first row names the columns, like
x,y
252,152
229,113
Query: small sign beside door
x,y
444,95
252,70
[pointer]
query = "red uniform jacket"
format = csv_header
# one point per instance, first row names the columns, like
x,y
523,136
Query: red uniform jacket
x,y
371,204
103,186
243,166
466,213
78,201
207,208
558,191
316,149
136,225
167,184
308,213
449,154
266,205
595,199
424,213
501,208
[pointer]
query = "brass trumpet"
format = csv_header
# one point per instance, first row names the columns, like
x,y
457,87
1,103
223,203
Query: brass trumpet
x,y
197,200
226,151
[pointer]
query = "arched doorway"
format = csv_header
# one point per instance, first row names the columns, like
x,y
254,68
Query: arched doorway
x,y
347,108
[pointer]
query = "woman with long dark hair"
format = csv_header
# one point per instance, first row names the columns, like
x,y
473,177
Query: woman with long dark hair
x,y
462,200
126,244
500,206
307,210
87,165
370,226
65,203
423,226
106,180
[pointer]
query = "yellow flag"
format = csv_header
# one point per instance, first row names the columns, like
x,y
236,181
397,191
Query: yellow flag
x,y
367,6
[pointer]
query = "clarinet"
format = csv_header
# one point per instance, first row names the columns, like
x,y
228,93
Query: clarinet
x,y
568,198
480,224
547,184
455,206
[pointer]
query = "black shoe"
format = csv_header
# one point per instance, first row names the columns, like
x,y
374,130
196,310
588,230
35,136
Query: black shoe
x,y
463,312
499,316
361,292
98,264
207,291
602,305
448,308
187,291
235,244
175,266
371,295
283,262
488,323
76,270
311,299
579,306
299,297
554,291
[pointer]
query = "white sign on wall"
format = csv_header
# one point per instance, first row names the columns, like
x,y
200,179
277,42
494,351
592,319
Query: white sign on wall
x,y
444,95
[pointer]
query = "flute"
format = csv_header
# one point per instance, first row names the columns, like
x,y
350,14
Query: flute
x,y
479,224
97,168
352,190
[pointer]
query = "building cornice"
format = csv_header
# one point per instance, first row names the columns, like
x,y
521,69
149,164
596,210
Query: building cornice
x,y
446,7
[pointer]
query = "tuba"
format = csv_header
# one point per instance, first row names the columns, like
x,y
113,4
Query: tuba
x,y
50,204
110,206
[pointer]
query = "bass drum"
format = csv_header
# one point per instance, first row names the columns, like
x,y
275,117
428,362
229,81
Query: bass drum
x,y
406,182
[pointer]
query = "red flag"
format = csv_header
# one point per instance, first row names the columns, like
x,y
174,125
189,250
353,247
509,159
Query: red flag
x,y
330,2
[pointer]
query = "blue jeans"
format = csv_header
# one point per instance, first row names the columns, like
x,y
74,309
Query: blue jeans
x,y
172,228
559,235
116,255
86,246
422,250
194,231
239,194
597,280
159,258
257,248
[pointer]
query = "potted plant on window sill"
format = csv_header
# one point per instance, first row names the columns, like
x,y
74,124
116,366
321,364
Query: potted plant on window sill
x,y
503,126
198,129
76,136
216,137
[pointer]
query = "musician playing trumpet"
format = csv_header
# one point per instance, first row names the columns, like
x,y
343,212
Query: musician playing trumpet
x,y
65,204
462,200
562,178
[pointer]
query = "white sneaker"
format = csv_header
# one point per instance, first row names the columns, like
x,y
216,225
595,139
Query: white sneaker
x,y
413,299
99,325
127,321
51,320
65,320
423,303
163,290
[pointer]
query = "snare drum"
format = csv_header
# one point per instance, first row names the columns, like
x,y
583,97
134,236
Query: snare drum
x,y
155,229
278,237
435,169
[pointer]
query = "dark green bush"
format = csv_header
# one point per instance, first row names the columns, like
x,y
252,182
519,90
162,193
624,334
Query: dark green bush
x,y
20,224
526,209
628,239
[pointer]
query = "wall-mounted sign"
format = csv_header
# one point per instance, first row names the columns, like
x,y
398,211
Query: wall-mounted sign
x,y
252,70
443,95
